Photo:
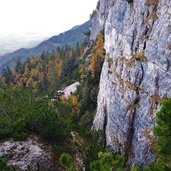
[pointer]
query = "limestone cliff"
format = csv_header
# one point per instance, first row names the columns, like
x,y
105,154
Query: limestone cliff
x,y
136,73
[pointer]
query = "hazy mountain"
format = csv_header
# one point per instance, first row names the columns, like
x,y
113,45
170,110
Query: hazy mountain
x,y
71,37
11,43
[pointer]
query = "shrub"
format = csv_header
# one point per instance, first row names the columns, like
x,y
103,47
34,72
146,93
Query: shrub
x,y
158,166
65,160
3,165
106,161
163,130
135,168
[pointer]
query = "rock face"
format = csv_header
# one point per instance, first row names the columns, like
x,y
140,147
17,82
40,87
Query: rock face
x,y
69,90
27,154
136,73
99,17
66,92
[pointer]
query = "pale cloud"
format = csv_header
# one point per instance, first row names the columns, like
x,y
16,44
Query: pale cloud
x,y
20,17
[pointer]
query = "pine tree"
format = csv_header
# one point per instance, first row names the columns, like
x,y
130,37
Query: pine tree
x,y
163,131
19,67
7,75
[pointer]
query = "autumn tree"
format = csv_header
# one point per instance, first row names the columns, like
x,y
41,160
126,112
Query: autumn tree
x,y
97,57
58,65
51,74
82,50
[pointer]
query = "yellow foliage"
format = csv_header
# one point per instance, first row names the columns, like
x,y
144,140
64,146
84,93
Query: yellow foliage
x,y
69,53
82,51
35,74
97,56
93,65
51,73
18,80
82,71
34,61
63,99
152,2
58,67
169,47
29,82
74,100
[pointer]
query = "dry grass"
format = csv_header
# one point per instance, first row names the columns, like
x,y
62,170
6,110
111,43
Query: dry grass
x,y
146,21
138,56
131,86
155,99
153,15
117,75
152,2
153,142
146,133
130,62
141,57
169,47
127,83
133,107
121,88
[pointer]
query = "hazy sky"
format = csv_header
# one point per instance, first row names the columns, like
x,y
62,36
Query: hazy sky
x,y
20,17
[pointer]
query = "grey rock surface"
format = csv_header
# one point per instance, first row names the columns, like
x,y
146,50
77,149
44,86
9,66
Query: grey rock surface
x,y
27,154
136,73
71,89
99,17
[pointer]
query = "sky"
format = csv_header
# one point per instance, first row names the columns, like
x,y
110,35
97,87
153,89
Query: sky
x,y
42,17
25,23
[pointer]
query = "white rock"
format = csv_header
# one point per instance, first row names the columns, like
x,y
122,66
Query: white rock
x,y
29,153
126,100
71,89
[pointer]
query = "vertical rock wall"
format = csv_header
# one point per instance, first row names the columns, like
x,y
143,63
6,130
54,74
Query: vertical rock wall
x,y
136,74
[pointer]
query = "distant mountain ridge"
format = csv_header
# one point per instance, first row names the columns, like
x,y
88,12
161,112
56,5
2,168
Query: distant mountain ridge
x,y
11,43
70,37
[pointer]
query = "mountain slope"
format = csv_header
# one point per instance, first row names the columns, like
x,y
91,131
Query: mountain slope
x,y
71,37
